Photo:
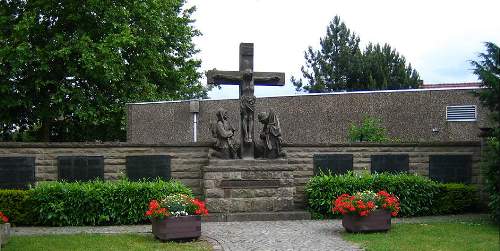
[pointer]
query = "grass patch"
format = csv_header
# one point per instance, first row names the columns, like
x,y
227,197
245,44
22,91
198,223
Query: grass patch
x,y
431,236
118,242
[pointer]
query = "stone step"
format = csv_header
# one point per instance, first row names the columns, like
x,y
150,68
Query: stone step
x,y
257,216
246,162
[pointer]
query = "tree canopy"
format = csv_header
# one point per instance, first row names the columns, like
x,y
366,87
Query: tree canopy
x,y
340,65
67,68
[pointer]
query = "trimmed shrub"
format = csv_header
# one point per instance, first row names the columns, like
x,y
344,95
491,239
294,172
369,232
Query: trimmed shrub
x,y
455,198
416,193
98,202
15,204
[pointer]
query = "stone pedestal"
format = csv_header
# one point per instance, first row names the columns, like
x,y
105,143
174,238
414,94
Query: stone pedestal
x,y
250,189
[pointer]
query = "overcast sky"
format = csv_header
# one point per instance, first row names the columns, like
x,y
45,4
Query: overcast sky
x,y
437,37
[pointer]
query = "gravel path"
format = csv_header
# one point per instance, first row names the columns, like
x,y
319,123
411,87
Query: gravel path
x,y
255,235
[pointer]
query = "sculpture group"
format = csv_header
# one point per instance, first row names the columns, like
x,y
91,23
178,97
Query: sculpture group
x,y
226,146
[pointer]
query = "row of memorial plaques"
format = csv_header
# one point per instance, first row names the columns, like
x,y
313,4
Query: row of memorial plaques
x,y
443,168
19,172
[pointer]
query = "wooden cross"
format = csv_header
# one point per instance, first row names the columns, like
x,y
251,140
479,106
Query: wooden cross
x,y
246,79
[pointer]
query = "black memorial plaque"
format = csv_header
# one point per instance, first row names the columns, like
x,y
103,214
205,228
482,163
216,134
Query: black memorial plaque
x,y
249,183
450,168
391,163
148,167
80,168
17,172
335,163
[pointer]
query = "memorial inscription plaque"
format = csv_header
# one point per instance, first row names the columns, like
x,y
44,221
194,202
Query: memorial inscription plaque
x,y
450,168
80,168
17,172
335,163
390,163
148,167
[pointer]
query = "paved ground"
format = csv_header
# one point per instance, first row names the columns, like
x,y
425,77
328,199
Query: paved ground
x,y
256,235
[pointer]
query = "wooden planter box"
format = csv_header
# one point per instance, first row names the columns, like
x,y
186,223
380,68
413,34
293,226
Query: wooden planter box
x,y
4,233
176,228
377,221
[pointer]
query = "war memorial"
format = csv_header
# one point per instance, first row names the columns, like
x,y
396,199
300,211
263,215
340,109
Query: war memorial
x,y
251,157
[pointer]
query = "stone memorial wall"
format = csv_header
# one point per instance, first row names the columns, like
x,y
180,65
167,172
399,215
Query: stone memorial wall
x,y
442,161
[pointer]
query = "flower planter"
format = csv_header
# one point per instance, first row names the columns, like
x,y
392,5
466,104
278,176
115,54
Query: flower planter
x,y
4,233
174,228
377,221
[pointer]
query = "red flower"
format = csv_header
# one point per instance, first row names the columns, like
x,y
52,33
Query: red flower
x,y
154,205
370,204
4,218
363,213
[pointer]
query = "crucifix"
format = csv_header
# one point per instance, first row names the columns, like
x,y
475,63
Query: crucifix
x,y
246,79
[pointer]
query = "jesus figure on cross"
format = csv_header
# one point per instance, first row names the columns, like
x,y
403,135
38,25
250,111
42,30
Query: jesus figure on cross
x,y
246,78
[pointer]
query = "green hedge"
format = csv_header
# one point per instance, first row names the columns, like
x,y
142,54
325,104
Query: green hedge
x,y
15,204
88,203
456,198
416,193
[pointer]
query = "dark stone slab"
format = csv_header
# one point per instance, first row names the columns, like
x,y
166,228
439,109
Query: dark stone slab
x,y
249,183
335,163
148,167
17,172
450,168
80,168
391,163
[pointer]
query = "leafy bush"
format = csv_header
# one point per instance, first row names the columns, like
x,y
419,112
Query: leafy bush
x,y
15,204
98,202
455,198
370,130
490,166
416,193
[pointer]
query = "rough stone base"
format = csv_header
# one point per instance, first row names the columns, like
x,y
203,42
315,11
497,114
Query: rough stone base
x,y
235,188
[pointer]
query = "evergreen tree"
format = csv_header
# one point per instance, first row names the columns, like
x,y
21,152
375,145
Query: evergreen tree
x,y
336,66
339,65
67,68
488,71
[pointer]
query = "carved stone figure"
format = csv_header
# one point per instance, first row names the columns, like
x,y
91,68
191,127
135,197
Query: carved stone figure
x,y
223,132
247,79
271,135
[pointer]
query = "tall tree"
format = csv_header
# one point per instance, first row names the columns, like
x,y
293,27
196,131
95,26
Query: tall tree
x,y
384,68
340,65
336,66
67,68
488,71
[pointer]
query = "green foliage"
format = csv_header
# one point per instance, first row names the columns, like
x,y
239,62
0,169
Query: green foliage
x,y
339,65
488,71
16,205
416,193
97,202
67,68
370,130
455,198
490,165
431,236
100,242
